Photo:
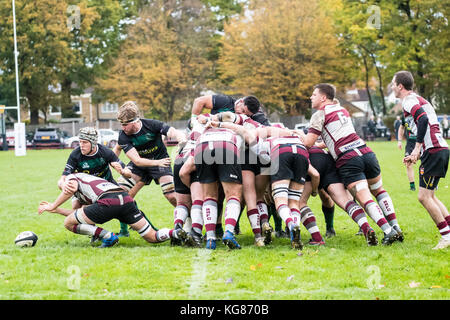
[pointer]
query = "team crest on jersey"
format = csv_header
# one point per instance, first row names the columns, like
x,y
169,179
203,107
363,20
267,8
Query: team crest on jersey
x,y
421,170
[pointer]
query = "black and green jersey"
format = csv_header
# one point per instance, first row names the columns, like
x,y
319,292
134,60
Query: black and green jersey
x,y
148,141
96,164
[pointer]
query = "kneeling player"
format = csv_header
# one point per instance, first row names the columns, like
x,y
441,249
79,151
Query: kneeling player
x,y
108,201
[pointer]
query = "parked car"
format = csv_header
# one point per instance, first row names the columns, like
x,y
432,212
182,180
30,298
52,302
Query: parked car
x,y
10,138
48,137
72,142
106,137
301,126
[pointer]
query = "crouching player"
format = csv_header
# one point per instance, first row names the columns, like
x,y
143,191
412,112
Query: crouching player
x,y
107,201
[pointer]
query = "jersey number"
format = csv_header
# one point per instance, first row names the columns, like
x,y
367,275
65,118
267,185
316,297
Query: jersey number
x,y
342,118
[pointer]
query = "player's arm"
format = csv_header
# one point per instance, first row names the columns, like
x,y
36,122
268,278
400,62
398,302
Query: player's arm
x,y
186,170
248,135
200,103
309,139
178,135
62,198
227,116
117,164
134,156
400,133
315,179
117,149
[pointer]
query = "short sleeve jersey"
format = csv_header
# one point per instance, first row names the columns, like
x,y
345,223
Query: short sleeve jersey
x,y
90,188
96,164
333,122
433,137
148,141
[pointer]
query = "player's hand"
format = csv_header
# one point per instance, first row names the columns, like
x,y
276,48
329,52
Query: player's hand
x,y
126,172
202,119
45,206
214,124
166,162
70,187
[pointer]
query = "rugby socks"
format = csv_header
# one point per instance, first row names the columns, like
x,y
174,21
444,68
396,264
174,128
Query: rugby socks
x,y
90,230
444,230
386,205
253,218
328,213
447,218
180,213
209,212
263,211
309,221
358,215
197,217
374,212
232,212
123,228
165,234
285,214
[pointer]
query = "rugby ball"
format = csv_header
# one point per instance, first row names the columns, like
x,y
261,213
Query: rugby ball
x,y
26,239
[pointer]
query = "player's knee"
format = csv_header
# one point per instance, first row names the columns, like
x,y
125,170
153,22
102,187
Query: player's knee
x,y
376,187
280,191
168,189
358,187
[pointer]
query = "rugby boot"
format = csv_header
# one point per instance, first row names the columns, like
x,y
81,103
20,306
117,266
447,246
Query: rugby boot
x,y
316,243
259,241
371,238
266,229
390,238
230,241
211,244
180,234
174,240
194,239
330,233
442,244
281,234
401,237
110,241
296,242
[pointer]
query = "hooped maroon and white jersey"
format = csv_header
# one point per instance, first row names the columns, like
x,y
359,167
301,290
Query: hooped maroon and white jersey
x,y
212,135
279,145
433,136
334,123
90,187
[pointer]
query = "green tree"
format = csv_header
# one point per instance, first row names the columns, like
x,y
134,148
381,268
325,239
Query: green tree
x,y
163,62
278,50
60,43
410,35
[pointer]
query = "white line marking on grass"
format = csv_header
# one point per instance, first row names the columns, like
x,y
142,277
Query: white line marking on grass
x,y
199,271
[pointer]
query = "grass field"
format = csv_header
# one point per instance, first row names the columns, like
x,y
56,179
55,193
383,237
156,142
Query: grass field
x,y
63,265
